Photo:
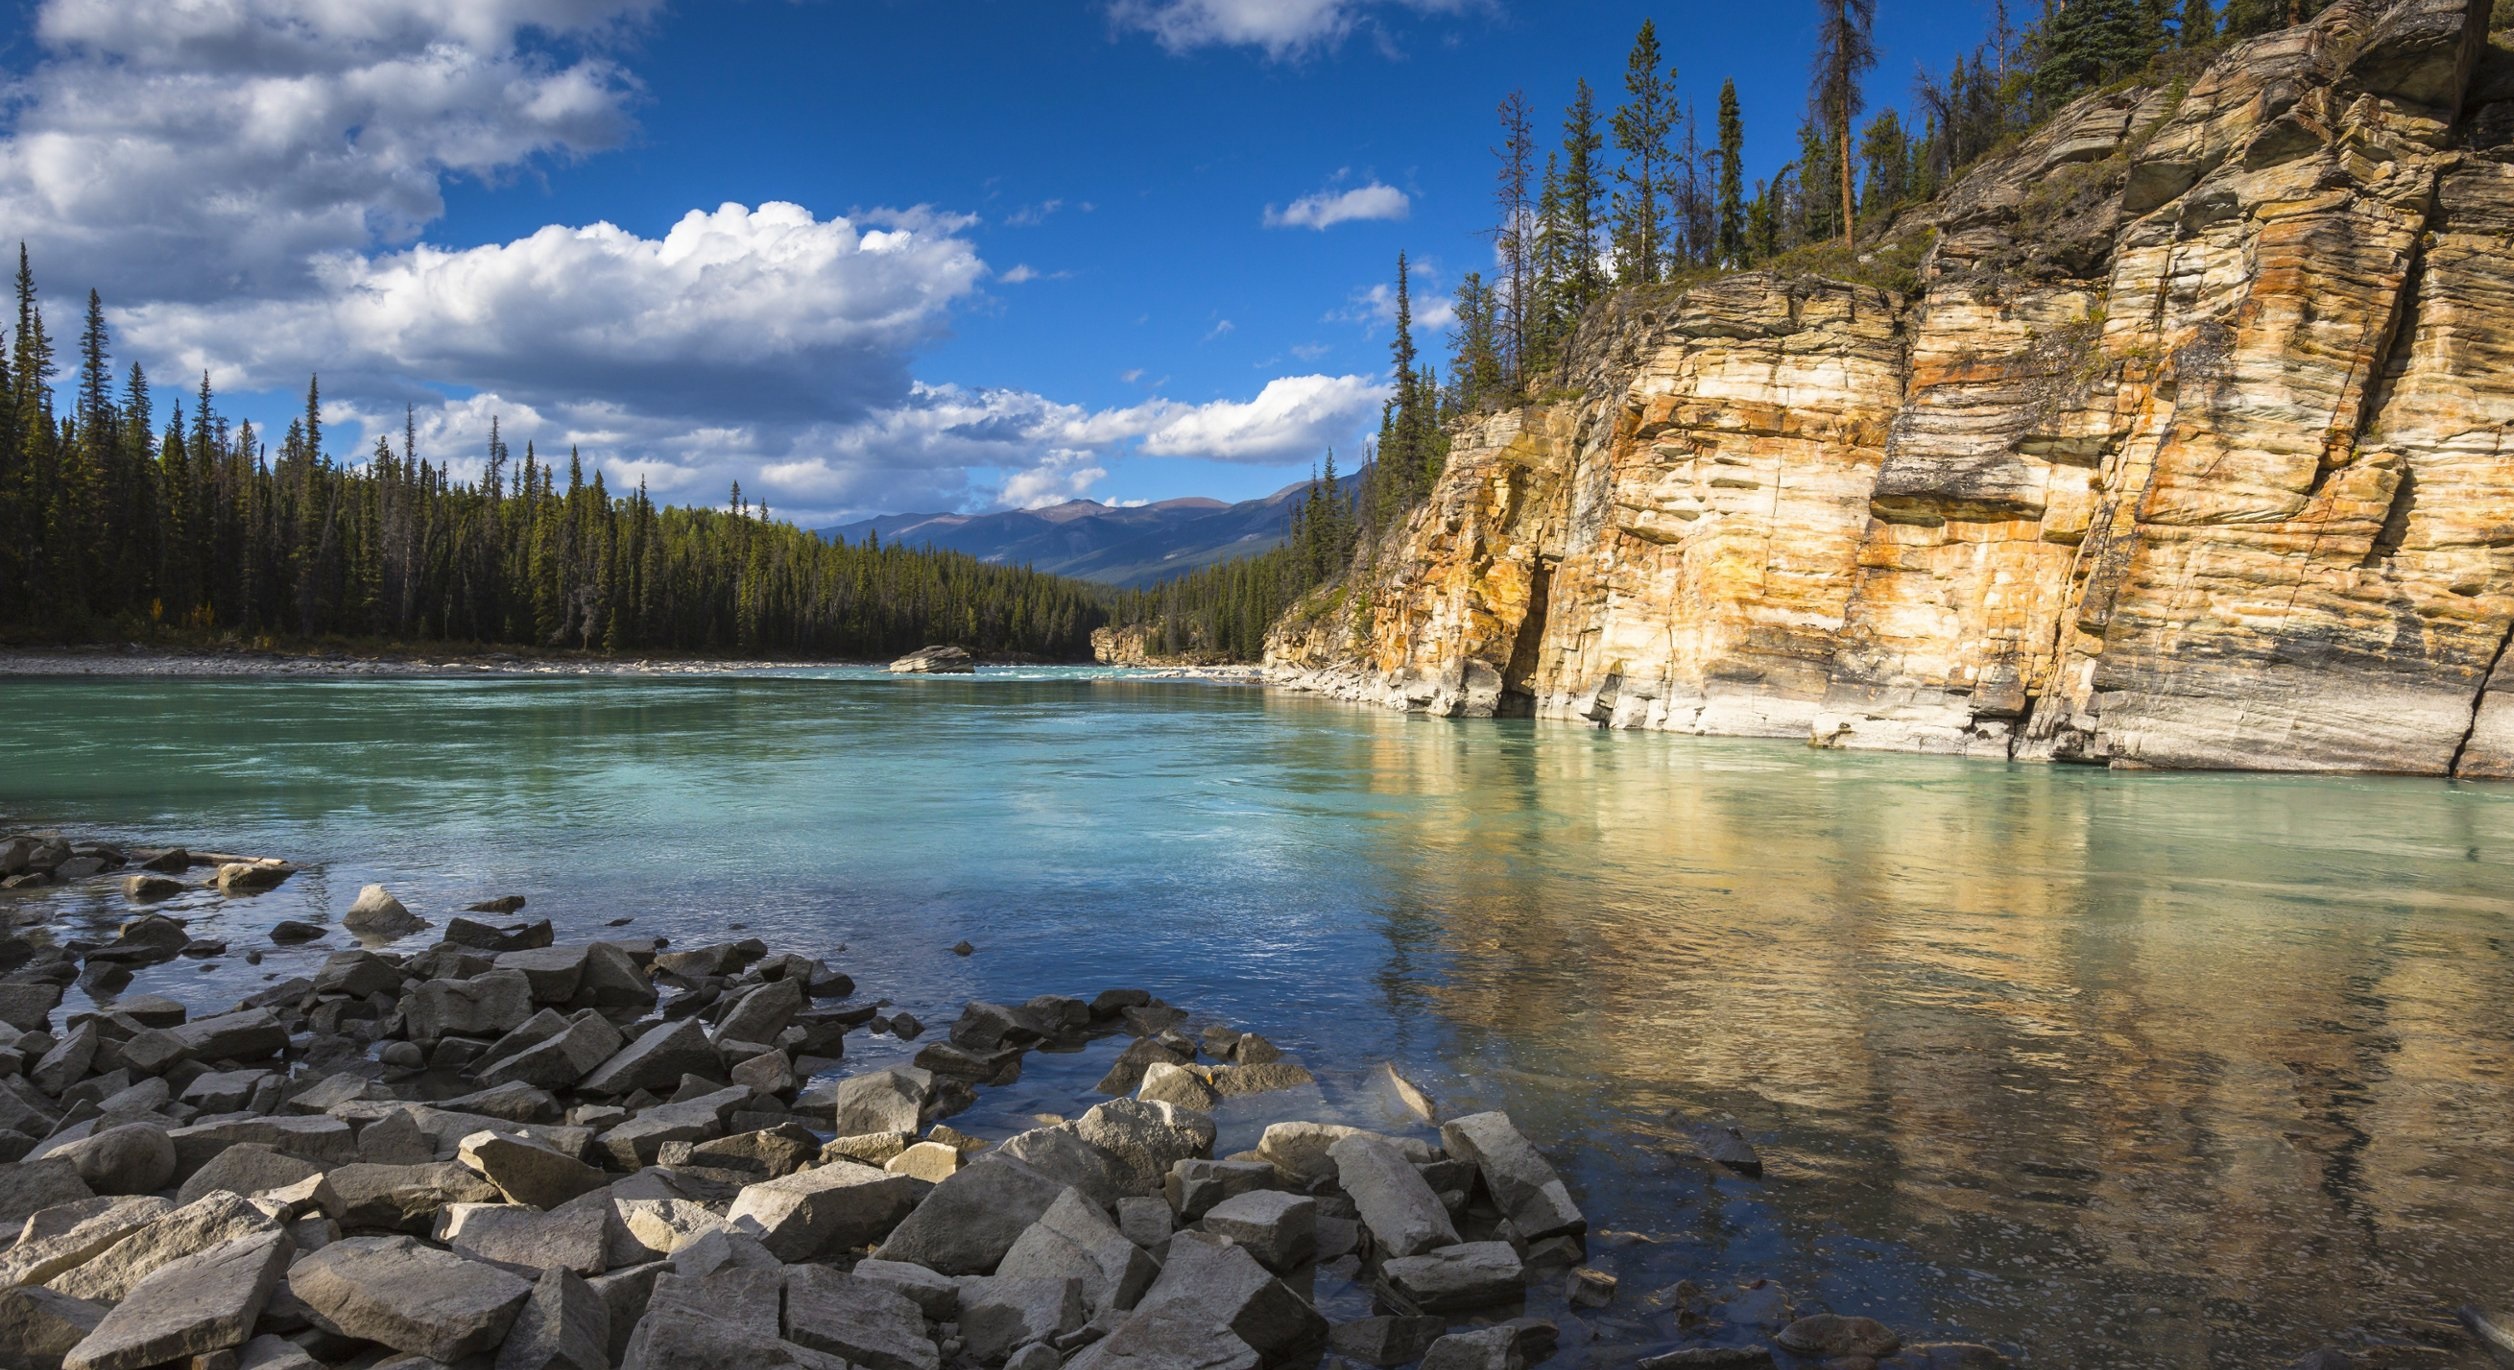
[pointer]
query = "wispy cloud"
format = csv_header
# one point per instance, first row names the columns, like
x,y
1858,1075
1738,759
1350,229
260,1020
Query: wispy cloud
x,y
1327,208
1282,29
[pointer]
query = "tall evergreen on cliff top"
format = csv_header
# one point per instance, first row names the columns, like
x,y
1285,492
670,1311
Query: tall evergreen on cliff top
x,y
1582,207
1845,51
1644,125
1515,241
1732,183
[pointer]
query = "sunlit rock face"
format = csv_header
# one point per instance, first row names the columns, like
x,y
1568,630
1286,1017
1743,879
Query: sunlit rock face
x,y
2193,448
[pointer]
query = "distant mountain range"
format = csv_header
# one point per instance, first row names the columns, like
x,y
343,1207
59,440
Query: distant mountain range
x,y
1115,545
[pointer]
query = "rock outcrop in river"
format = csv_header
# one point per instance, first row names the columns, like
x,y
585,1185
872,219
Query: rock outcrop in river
x,y
2192,447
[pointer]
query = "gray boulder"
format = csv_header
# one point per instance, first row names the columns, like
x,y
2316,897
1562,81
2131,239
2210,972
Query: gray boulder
x,y
967,1224
935,661
135,1158
1226,1286
1074,1239
825,1210
555,972
404,1198
937,1296
999,1314
560,1060
488,1005
1193,1187
110,1275
1179,1336
514,1235
38,1326
201,1304
1456,1278
1388,1340
563,1325
862,1321
1525,1187
409,1297
884,1101
1146,1139
656,1061
725,1321
1279,1229
1404,1216
376,913
527,1172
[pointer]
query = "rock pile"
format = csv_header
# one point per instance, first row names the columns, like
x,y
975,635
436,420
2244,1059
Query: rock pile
x,y
507,1151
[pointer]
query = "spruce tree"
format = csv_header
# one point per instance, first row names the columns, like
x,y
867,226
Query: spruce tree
x,y
1515,240
1583,197
1642,126
1845,51
2198,23
1732,184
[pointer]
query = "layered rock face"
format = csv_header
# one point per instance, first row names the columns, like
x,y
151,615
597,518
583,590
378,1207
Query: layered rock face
x,y
2193,448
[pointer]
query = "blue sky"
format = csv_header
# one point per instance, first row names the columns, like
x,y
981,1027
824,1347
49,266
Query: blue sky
x,y
862,255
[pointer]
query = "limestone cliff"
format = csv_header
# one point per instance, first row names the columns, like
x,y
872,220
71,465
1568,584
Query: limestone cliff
x,y
2191,445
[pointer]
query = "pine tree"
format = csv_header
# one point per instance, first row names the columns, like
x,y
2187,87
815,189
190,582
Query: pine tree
x,y
1845,51
1885,153
1643,125
1515,240
1475,367
1732,184
2199,23
1583,203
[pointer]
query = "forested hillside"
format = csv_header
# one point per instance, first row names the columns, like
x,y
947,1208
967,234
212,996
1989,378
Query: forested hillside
x,y
112,522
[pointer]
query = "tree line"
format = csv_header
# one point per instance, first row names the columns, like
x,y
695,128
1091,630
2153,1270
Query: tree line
x,y
109,522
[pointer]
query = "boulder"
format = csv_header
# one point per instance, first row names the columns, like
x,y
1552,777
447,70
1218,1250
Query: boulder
x,y
494,939
969,1221
376,913
864,1322
932,1162
1074,1239
1000,1314
201,1304
747,1157
640,1140
1387,1341
1146,1222
39,1327
1179,1336
79,1232
1456,1278
823,1211
1165,1083
560,1060
1300,1150
728,1320
935,661
1279,1229
404,1198
555,972
1145,1139
1722,1143
109,1276
147,888
1224,1285
1236,1082
250,877
323,1140
563,1325
1525,1187
289,932
26,1004
135,1158
1194,1186
488,1005
612,980
527,1172
358,974
937,1296
762,1013
514,1235
656,1061
1404,1216
409,1297
246,1035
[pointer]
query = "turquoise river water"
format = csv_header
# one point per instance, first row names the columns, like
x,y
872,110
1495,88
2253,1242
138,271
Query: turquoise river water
x,y
2106,1069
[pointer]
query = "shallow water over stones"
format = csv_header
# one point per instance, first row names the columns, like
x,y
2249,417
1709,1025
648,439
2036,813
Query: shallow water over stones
x,y
2112,1069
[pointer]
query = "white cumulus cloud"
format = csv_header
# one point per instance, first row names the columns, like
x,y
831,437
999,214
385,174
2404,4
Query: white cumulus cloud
x,y
1282,28
1327,208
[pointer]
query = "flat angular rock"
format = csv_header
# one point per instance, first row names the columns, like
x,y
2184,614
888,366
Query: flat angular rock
x,y
1404,1216
490,1005
39,1327
937,1296
247,1170
513,1235
1226,1286
1146,1139
555,972
1060,1153
1279,1229
81,1232
1179,1336
884,1101
409,1297
1530,1194
1193,1187
969,1221
1386,1341
656,1061
640,1140
404,1198
1165,1083
215,1220
245,1035
25,1005
564,1325
864,1322
761,1014
824,1210
203,1303
1300,1150
1074,1239
724,1321
1457,1278
560,1061
323,1140
1269,1077
999,1315
1723,1143
250,877
527,1172
932,1162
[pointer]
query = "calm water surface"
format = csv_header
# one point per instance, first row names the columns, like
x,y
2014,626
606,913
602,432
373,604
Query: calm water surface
x,y
2118,1070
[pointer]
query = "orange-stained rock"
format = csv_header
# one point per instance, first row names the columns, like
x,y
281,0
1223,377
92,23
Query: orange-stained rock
x,y
2194,449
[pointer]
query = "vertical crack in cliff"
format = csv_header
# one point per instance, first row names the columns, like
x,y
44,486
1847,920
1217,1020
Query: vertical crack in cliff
x,y
2479,700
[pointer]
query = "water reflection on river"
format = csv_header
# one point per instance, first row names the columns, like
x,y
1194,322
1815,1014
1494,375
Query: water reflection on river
x,y
2115,1069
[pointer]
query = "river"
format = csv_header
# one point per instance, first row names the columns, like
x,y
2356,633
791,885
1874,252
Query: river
x,y
2104,1068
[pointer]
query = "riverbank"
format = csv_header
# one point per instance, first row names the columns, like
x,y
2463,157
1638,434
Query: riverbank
x,y
134,660
463,1135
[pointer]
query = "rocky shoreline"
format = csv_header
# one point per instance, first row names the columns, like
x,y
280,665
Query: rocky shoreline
x,y
514,1151
135,661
